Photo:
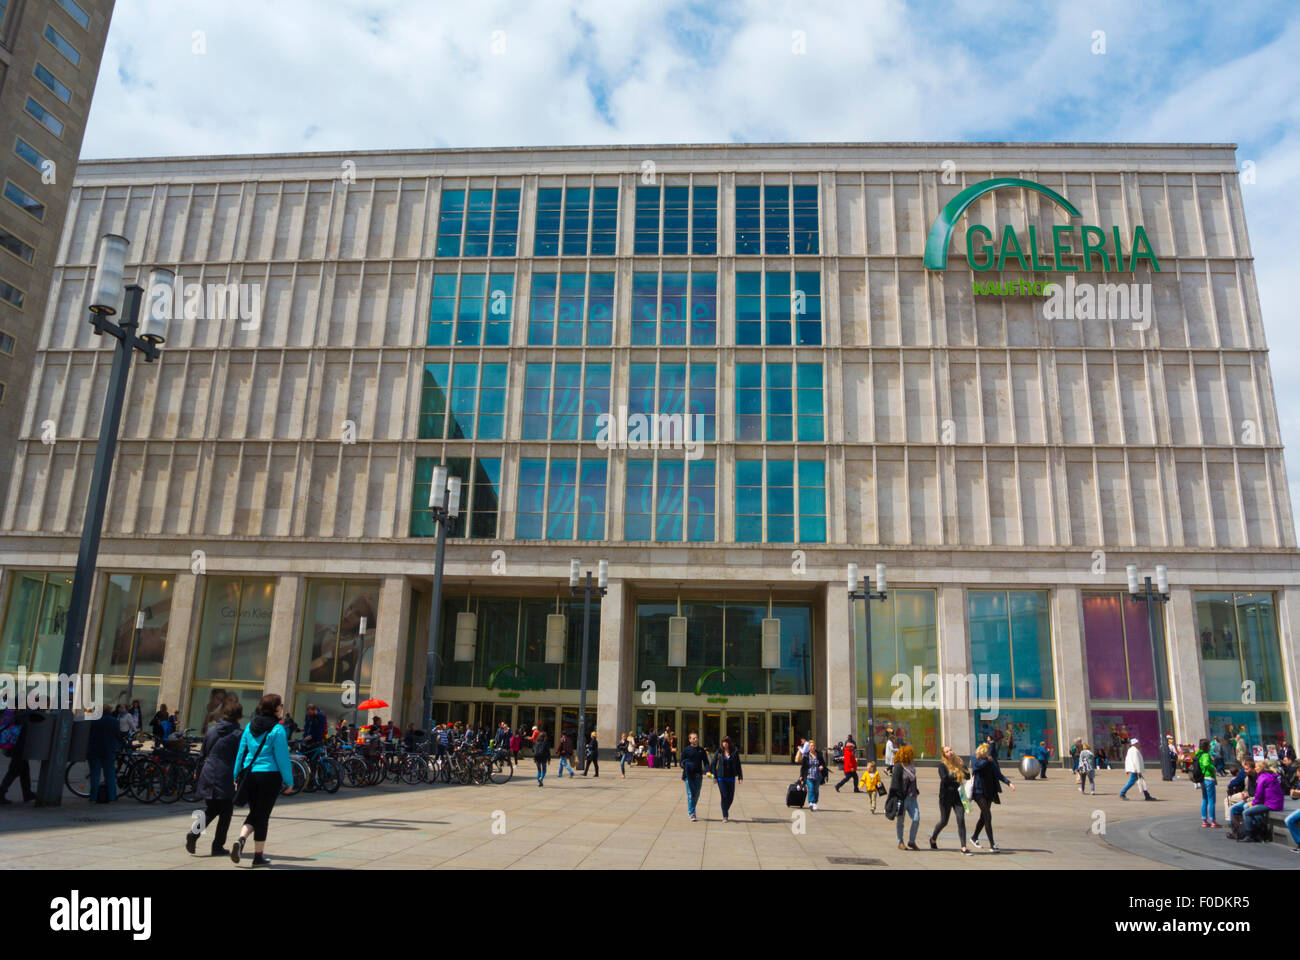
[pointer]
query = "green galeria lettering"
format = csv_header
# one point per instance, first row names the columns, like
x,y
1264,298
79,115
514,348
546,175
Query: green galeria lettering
x,y
1142,250
1009,242
1059,251
1099,247
986,248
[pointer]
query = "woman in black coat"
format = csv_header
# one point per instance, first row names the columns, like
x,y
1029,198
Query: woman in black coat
x,y
18,766
217,776
726,774
988,779
541,755
952,774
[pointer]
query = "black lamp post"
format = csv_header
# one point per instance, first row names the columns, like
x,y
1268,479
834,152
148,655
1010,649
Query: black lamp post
x,y
105,297
1144,592
586,589
854,596
444,505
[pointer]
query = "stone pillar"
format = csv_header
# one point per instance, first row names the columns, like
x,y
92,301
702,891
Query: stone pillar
x,y
1288,615
1071,673
1183,654
841,706
419,652
388,662
958,719
182,641
614,668
282,645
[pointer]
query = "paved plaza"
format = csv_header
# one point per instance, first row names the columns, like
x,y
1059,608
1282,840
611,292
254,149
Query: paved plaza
x,y
637,823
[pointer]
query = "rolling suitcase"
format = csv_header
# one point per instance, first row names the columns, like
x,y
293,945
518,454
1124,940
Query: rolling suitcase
x,y
796,794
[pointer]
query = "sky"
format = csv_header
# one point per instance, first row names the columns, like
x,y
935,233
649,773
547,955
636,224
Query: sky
x,y
186,77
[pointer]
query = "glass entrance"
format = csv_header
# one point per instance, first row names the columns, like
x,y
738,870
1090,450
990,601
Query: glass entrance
x,y
755,735
734,723
782,747
712,730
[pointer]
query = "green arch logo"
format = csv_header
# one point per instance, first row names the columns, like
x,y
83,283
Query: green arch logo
x,y
936,244
726,685
492,678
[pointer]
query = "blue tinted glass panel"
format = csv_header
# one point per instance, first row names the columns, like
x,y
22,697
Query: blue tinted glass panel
x,y
546,239
749,401
62,45
779,308
673,309
442,310
486,494
704,221
531,506
600,310
749,501
805,219
808,308
749,309
537,397
812,501
704,402
702,505
704,309
464,401
577,203
677,202
591,501
595,400
669,494
641,388
565,401
645,238
505,224
638,512
478,223
569,311
500,303
433,401
780,402
469,310
645,311
53,83
561,500
809,391
776,220
780,501
492,401
46,119
748,235
604,222
541,309
451,219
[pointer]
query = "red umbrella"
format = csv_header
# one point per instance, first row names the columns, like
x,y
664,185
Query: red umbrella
x,y
371,705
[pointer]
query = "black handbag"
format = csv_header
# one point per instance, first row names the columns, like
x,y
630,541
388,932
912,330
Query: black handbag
x,y
891,807
241,783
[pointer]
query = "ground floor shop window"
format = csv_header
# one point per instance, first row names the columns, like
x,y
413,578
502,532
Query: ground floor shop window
x,y
1113,728
35,620
1262,729
920,728
234,634
1017,732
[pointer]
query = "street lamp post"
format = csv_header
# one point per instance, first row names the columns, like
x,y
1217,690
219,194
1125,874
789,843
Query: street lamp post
x,y
587,589
854,596
105,297
1144,592
444,505
135,652
356,677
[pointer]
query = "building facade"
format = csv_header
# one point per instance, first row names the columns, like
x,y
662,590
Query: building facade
x,y
49,61
728,370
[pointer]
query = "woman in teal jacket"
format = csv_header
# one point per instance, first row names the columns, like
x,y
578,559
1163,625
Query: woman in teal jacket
x,y
264,750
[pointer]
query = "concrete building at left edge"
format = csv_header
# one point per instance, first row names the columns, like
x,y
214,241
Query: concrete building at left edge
x,y
351,320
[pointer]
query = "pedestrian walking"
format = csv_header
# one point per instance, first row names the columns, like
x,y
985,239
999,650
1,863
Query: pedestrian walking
x,y
216,776
1203,772
625,748
985,790
952,774
101,755
1042,753
890,751
1217,755
564,750
1133,764
726,772
14,733
1074,757
541,753
811,768
872,783
695,762
903,788
1087,768
651,747
1241,748
516,744
593,756
263,757
850,766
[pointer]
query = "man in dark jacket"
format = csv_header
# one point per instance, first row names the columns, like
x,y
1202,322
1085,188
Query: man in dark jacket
x,y
101,755
313,730
695,762
217,776
564,751
593,753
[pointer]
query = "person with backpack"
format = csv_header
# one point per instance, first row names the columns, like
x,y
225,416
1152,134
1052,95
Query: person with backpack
x,y
850,766
811,770
1203,773
1086,767
216,776
541,753
1074,756
263,759
694,764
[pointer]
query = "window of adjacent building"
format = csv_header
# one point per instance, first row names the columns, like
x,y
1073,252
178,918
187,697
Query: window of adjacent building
x,y
478,223
30,155
35,620
790,403
778,308
75,12
562,306
480,498
576,221
671,500
24,201
562,500
332,650
665,305
673,221
11,294
1011,639
17,246
470,310
46,119
477,395
62,45
234,635
53,83
1241,661
563,400
7,344
780,501
904,637
672,397
131,660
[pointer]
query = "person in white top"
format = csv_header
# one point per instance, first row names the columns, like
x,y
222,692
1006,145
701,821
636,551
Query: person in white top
x,y
1133,767
890,750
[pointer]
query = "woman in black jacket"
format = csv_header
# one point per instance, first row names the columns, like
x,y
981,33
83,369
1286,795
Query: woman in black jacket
x,y
217,776
541,755
726,773
988,777
952,774
18,767
902,786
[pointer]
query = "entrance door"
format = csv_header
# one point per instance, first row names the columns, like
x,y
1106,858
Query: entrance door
x,y
712,735
782,748
755,736
734,722
690,722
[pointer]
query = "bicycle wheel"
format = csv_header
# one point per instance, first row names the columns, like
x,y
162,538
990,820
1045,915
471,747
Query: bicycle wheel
x,y
172,782
502,770
377,772
146,781
411,770
190,790
300,775
328,776
77,778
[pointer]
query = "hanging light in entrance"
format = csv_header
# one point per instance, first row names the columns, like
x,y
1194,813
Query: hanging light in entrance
x,y
466,635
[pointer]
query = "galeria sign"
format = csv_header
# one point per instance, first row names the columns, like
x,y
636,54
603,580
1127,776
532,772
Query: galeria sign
x,y
1096,248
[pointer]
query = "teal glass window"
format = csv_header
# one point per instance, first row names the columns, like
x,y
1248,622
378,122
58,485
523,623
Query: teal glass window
x,y
780,501
75,12
638,511
46,119
30,155
673,309
748,221
433,401
704,309
595,398
577,204
749,501
560,302
492,401
1010,634
641,389
591,500
485,500
645,231
480,496
537,397
780,401
541,309
62,45
566,401
704,401
469,309
749,309
805,219
662,505
531,505
776,220
701,509
771,494
1239,643
645,309
442,310
451,222
600,310
808,391
778,308
749,401
677,201
604,221
672,388
464,401
568,311
478,223
500,302
561,499
477,399
704,221
546,234
806,304
812,501
505,223
669,499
